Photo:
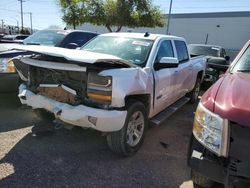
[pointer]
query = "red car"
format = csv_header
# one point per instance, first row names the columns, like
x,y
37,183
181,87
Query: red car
x,y
220,145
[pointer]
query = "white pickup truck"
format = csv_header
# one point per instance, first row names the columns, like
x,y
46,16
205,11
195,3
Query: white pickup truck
x,y
117,83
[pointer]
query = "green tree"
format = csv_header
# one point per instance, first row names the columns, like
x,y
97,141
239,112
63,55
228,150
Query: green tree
x,y
73,11
112,13
25,31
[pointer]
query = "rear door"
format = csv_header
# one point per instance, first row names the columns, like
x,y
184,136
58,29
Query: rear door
x,y
185,69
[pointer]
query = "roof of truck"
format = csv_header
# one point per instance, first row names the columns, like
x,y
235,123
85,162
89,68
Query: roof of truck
x,y
142,35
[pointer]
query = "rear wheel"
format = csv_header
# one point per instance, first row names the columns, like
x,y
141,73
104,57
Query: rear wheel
x,y
129,139
194,94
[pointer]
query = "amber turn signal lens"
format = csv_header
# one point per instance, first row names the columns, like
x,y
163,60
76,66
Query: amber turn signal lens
x,y
99,97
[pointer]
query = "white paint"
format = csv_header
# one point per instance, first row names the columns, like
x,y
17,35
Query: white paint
x,y
52,65
68,54
107,120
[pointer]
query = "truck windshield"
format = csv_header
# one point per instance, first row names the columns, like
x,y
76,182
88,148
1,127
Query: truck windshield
x,y
196,50
134,50
45,37
243,64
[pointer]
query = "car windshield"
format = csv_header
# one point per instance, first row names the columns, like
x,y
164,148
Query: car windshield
x,y
45,37
135,51
243,64
204,50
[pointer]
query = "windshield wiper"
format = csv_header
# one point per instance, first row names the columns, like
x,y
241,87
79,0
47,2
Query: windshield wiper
x,y
244,70
32,43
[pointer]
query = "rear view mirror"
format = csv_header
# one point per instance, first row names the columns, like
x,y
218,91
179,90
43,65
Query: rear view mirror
x,y
166,62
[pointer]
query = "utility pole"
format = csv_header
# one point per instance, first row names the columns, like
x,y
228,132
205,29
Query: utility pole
x,y
31,30
169,16
21,2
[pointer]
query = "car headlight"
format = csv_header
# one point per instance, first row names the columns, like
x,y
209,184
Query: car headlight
x,y
99,88
7,65
211,130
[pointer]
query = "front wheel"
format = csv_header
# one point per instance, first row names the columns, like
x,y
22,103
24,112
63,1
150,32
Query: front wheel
x,y
44,115
129,139
200,181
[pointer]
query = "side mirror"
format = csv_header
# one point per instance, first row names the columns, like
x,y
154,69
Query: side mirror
x,y
218,63
72,46
166,62
218,67
227,58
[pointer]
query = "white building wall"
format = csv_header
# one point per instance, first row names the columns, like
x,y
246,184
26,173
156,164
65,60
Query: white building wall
x,y
229,32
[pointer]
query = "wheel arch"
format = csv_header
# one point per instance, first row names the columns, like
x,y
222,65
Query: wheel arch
x,y
143,98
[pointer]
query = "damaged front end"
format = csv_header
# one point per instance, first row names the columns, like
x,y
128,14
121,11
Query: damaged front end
x,y
73,91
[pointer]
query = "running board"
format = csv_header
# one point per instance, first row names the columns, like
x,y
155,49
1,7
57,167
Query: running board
x,y
158,119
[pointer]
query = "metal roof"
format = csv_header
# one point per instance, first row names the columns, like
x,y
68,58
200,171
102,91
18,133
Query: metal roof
x,y
211,15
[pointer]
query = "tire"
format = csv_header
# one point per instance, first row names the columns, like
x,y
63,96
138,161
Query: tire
x,y
129,139
194,94
200,181
44,115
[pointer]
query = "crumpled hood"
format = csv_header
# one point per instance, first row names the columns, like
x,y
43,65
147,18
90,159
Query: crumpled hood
x,y
72,54
231,101
9,46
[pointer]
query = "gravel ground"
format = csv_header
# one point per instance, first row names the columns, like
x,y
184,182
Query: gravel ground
x,y
35,154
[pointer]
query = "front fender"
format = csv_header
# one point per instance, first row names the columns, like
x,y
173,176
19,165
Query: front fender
x,y
128,81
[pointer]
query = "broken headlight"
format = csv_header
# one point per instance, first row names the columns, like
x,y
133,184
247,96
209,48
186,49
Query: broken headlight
x,y
211,130
99,88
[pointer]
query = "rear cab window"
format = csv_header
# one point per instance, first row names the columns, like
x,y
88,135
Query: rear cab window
x,y
182,52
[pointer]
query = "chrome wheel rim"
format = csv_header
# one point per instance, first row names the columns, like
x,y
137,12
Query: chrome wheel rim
x,y
135,128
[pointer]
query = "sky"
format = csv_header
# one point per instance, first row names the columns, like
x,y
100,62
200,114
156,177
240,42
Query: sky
x,y
47,12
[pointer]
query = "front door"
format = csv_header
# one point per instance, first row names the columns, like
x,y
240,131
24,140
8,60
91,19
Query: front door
x,y
164,79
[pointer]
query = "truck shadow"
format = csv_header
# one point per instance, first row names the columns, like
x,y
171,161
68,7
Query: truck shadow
x,y
12,115
46,157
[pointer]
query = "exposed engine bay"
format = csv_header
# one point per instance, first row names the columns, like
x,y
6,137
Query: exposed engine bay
x,y
68,85
63,86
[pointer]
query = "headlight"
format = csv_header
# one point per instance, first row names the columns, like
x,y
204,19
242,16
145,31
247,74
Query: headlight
x,y
99,88
211,130
7,65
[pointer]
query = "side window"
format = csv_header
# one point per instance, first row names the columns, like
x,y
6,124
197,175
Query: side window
x,y
77,37
182,51
165,50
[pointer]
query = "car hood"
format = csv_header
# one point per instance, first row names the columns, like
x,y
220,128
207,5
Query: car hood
x,y
229,98
79,56
9,46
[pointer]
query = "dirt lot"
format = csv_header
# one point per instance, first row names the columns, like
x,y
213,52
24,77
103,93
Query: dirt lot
x,y
35,154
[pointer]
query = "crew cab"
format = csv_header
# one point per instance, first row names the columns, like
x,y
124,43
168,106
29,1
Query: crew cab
x,y
59,38
114,84
220,144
